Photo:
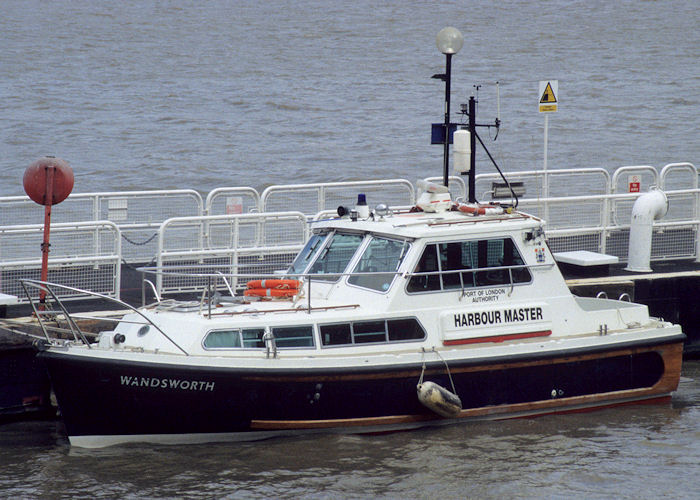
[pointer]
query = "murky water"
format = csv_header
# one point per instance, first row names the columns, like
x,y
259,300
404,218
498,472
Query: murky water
x,y
643,451
140,95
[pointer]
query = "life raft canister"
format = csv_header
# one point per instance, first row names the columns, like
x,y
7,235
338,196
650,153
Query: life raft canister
x,y
279,284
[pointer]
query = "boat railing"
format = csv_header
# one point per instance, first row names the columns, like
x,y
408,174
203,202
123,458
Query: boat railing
x,y
53,308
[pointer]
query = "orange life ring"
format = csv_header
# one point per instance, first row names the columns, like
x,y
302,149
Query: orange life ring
x,y
479,209
270,292
279,284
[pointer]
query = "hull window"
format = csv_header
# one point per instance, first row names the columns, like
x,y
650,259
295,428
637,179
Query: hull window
x,y
293,336
366,332
248,338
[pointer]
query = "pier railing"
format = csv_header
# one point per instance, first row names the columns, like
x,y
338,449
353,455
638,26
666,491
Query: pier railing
x,y
88,253
585,209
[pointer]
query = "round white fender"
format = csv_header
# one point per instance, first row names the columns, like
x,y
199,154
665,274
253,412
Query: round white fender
x,y
439,399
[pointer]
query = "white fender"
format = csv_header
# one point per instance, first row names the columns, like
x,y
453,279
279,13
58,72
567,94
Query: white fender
x,y
438,399
648,208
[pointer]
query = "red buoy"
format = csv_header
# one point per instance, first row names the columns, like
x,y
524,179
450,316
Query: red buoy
x,y
48,180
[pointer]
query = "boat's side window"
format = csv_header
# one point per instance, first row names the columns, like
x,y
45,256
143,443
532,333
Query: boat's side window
x,y
339,334
247,338
428,263
405,329
223,339
381,255
466,264
293,336
499,253
456,257
335,256
366,332
253,337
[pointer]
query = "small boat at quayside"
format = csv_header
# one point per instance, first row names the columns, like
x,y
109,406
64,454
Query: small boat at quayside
x,y
375,306
387,319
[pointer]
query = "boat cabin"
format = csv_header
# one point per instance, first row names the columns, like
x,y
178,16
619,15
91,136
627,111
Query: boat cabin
x,y
413,279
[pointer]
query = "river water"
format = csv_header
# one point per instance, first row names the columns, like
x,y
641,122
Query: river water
x,y
187,94
633,452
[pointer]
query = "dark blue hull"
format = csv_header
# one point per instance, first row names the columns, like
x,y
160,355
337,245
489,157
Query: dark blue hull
x,y
117,398
24,385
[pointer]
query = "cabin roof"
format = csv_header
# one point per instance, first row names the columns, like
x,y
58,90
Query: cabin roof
x,y
427,225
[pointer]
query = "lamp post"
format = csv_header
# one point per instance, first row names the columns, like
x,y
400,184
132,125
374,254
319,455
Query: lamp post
x,y
449,41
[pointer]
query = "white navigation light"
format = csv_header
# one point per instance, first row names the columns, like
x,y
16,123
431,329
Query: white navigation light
x,y
462,142
449,40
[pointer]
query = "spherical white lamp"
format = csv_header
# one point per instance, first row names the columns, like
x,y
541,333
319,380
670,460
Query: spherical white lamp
x,y
449,40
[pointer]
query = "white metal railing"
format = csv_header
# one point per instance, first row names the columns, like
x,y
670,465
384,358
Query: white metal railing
x,y
81,253
138,214
232,200
313,198
230,242
587,209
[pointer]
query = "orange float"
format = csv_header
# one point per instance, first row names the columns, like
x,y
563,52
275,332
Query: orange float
x,y
270,292
278,284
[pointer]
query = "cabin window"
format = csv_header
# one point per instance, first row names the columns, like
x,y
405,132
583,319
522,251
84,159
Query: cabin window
x,y
335,256
405,329
428,264
293,336
366,332
466,264
253,337
231,339
307,254
222,339
336,334
381,255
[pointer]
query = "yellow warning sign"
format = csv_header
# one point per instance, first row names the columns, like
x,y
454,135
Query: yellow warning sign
x,y
548,96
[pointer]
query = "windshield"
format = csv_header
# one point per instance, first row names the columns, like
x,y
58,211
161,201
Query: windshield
x,y
307,254
335,255
382,255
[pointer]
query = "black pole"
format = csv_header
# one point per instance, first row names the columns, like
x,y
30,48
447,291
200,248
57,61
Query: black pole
x,y
472,156
446,154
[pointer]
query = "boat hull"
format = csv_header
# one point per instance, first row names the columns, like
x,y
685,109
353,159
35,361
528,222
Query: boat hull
x,y
108,401
24,385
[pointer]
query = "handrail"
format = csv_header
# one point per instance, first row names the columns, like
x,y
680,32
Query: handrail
x,y
322,187
48,287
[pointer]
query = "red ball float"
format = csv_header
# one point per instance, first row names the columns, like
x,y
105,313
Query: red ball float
x,y
48,180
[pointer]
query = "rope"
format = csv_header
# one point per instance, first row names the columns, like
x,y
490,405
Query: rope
x,y
449,375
